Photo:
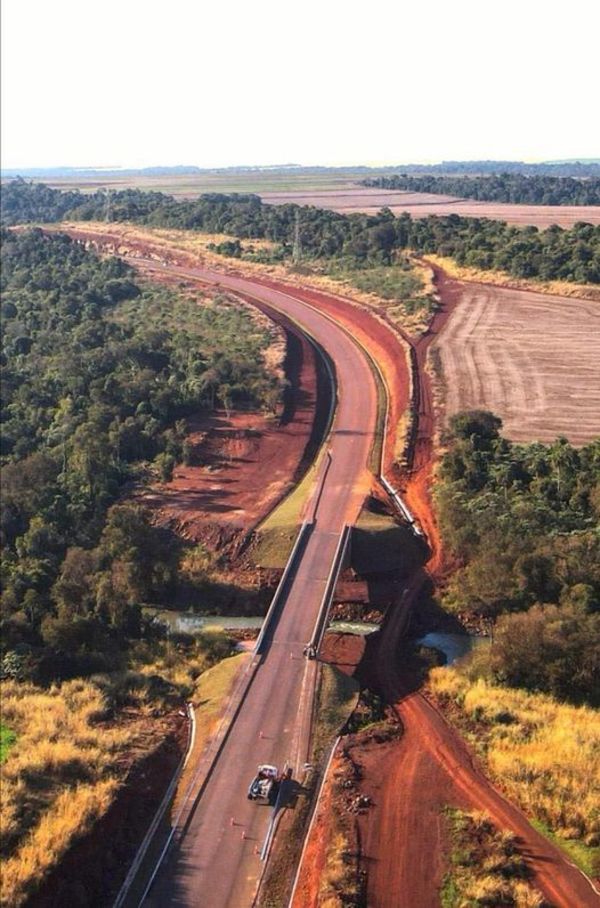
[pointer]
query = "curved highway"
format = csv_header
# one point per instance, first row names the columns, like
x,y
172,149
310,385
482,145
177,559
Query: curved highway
x,y
216,864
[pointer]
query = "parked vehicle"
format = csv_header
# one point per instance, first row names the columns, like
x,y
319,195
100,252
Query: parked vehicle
x,y
264,785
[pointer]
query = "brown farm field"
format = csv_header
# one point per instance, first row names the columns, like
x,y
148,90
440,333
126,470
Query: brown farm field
x,y
422,204
532,358
338,190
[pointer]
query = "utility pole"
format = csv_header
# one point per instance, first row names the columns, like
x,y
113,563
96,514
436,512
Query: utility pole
x,y
297,247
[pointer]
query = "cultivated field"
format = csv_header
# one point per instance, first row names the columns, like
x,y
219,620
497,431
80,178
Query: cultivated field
x,y
531,358
421,204
338,190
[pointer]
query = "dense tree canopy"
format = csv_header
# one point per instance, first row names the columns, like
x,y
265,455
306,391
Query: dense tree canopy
x,y
500,187
98,375
359,239
522,520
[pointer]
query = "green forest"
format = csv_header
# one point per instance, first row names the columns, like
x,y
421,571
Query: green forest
x,y
99,372
355,240
522,522
499,187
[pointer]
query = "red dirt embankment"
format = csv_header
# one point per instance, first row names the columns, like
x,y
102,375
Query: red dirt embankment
x,y
245,462
378,338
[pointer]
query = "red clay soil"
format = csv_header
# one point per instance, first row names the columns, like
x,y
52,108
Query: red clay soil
x,y
248,460
345,652
416,481
400,839
431,766
380,340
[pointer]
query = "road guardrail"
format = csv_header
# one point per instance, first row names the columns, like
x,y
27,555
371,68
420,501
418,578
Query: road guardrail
x,y
281,590
332,578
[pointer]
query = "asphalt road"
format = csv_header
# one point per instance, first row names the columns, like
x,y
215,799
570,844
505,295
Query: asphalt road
x,y
216,864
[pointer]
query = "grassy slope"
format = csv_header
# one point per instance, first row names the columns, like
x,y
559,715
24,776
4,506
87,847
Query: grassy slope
x,y
485,865
276,534
540,751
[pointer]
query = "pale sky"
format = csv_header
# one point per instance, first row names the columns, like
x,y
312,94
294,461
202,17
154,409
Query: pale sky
x,y
144,82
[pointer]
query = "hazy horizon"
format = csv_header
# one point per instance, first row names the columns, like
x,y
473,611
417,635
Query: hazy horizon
x,y
116,168
141,82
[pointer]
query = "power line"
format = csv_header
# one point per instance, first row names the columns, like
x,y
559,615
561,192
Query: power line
x,y
297,248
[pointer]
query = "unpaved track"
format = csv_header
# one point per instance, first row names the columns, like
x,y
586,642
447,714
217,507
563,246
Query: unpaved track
x,y
532,358
432,766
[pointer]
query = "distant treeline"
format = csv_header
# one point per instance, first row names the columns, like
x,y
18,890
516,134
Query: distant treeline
x,y
501,187
574,168
585,168
359,240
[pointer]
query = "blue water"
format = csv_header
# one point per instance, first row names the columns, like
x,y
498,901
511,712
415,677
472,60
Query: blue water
x,y
454,646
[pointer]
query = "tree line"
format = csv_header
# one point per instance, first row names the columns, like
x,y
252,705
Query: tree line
x,y
584,168
522,521
515,188
99,373
357,240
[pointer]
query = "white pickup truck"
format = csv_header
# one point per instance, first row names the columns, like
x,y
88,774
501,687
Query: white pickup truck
x,y
264,785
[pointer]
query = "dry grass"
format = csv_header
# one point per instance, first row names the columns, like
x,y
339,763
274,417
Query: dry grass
x,y
502,279
181,664
542,752
338,886
486,867
59,779
76,742
74,810
210,699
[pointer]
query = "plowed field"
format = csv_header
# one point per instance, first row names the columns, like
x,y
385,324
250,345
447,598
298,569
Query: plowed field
x,y
421,204
531,358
